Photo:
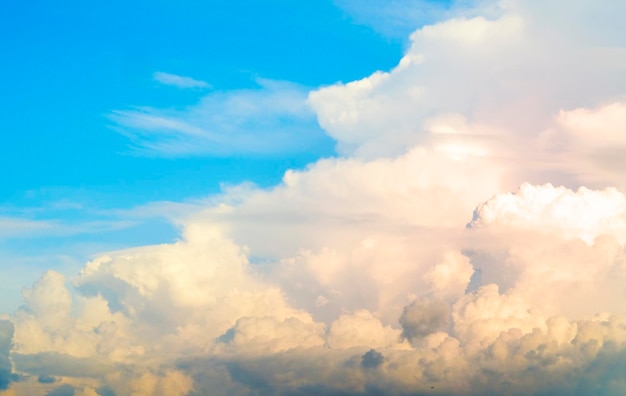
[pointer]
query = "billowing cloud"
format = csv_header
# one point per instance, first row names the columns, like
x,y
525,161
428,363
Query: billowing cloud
x,y
429,257
585,214
11,227
511,81
395,18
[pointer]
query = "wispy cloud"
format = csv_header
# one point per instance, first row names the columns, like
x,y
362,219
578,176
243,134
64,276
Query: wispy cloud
x,y
179,81
11,227
393,18
273,118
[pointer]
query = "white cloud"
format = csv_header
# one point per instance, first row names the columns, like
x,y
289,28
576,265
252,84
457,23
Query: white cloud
x,y
199,299
496,84
60,217
13,227
271,119
360,329
584,214
179,81
366,279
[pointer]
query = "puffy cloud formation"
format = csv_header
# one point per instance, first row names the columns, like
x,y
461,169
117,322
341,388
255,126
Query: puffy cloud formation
x,y
361,274
584,214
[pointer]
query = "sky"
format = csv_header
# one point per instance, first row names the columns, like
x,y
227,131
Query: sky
x,y
79,77
402,197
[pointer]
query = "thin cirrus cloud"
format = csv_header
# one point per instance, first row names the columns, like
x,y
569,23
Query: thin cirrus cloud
x,y
394,18
17,227
179,81
360,274
271,119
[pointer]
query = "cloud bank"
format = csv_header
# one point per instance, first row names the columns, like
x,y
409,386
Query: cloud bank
x,y
468,240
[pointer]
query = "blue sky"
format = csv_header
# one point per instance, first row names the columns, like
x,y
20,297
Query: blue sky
x,y
79,81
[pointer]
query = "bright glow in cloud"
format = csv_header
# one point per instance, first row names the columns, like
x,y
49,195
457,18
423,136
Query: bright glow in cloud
x,y
361,274
585,214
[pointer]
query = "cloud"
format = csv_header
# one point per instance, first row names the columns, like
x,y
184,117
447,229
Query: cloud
x,y
12,227
200,298
584,214
56,219
492,86
372,359
6,367
359,274
33,239
394,18
268,120
179,81
422,318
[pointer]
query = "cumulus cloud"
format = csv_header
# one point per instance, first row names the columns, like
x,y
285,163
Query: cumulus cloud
x,y
422,318
372,359
366,273
489,83
584,214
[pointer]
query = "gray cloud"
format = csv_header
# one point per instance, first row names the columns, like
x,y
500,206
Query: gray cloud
x,y
372,359
6,344
424,317
48,364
